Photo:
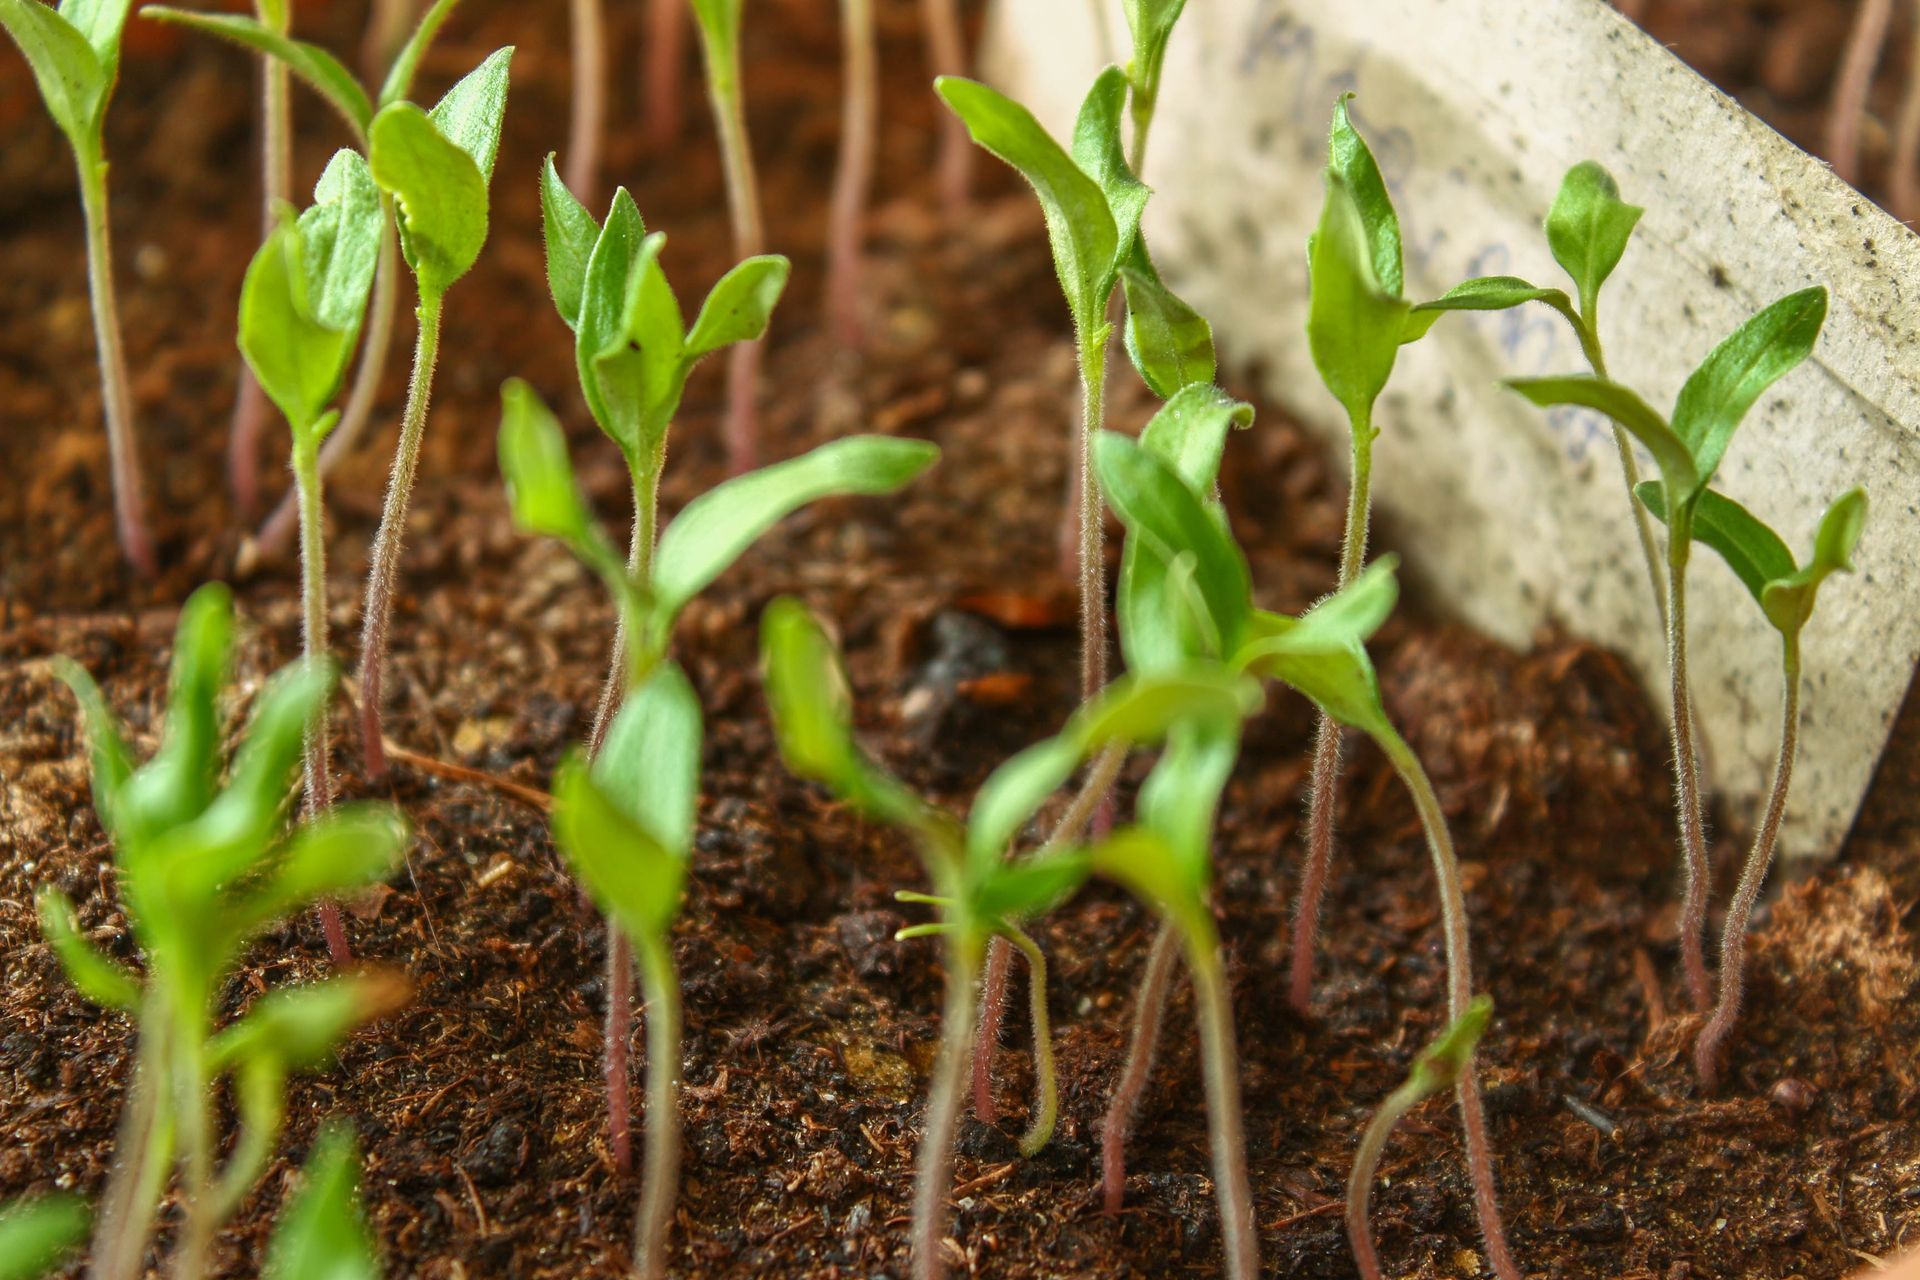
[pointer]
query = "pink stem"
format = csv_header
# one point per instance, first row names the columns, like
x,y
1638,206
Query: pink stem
x,y
1850,87
993,1002
666,71
1314,876
619,1032
947,52
854,178
1149,1013
589,100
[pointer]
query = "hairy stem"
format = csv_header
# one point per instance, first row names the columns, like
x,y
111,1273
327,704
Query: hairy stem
x,y
1093,566
1149,1014
1220,1063
1589,332
1686,771
588,124
193,1115
1360,1183
1453,923
666,62
142,1154
654,1225
933,1171
315,648
387,542
853,178
278,531
1850,86
1046,1110
1709,1051
947,56
129,487
1323,795
743,207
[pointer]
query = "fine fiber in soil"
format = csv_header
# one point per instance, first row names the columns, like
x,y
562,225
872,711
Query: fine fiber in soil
x,y
810,1031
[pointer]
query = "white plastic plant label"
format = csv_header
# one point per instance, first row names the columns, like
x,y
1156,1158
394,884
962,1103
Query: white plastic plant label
x,y
1512,516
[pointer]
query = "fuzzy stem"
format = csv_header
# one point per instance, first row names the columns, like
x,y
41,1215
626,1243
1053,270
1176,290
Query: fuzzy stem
x,y
1323,795
1360,1183
588,124
1709,1051
933,1171
1850,87
947,55
1453,922
387,542
280,526
654,1225
1149,1014
1220,1063
1093,567
743,207
1589,333
143,1153
853,179
666,61
1046,1112
129,488
1904,184
315,648
193,1115
1686,769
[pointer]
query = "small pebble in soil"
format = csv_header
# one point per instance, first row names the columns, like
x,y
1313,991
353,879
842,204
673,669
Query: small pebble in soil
x,y
867,938
1793,1095
499,1156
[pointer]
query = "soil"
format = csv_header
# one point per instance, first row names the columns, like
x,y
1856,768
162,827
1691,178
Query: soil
x,y
810,1030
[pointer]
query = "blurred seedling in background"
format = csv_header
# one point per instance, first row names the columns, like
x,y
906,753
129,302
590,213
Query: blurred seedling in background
x,y
978,891
322,1233
853,174
1786,593
625,822
38,1232
1688,450
1439,1067
356,106
74,53
587,124
203,868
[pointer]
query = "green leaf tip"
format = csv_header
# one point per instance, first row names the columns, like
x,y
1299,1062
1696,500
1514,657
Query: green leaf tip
x,y
1441,1064
1588,227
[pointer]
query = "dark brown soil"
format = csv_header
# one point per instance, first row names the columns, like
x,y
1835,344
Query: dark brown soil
x,y
809,1029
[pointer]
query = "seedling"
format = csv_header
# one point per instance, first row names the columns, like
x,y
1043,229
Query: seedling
x,y
978,892
720,44
1193,588
322,1233
650,589
1688,450
1439,1067
853,176
1150,23
436,166
1786,593
74,53
36,1233
301,307
666,71
589,75
947,56
1093,204
203,869
356,107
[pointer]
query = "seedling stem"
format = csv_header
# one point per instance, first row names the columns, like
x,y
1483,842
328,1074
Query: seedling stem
x,y
934,1169
589,99
1225,1133
853,179
655,1225
947,55
129,488
1149,1011
666,61
1686,770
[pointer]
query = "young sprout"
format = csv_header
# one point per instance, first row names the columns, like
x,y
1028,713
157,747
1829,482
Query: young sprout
x,y
301,307
436,166
1786,593
203,869
1204,598
655,584
589,74
1688,450
356,107
665,74
1093,203
1150,24
947,56
74,54
720,43
37,1232
977,890
1439,1067
853,176
322,1233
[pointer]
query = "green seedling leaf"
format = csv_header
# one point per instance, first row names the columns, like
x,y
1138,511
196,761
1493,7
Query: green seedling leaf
x,y
178,782
1588,228
717,526
541,491
1442,1063
101,23
1099,153
301,1028
1150,24
322,72
469,115
650,761
1354,322
37,1232
1485,293
441,191
1189,432
1754,552
1323,653
74,81
812,708
323,1234
100,978
1141,861
1030,887
609,367
720,22
1349,156
111,761
1181,797
1739,370
341,233
571,234
1789,601
347,849
406,64
1013,793
1080,227
1169,342
633,878
739,307
1625,407
1162,510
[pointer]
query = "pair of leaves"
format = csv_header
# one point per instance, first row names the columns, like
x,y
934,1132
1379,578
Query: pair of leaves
x,y
632,346
1092,202
1323,653
1785,591
74,53
625,822
306,290
323,1234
